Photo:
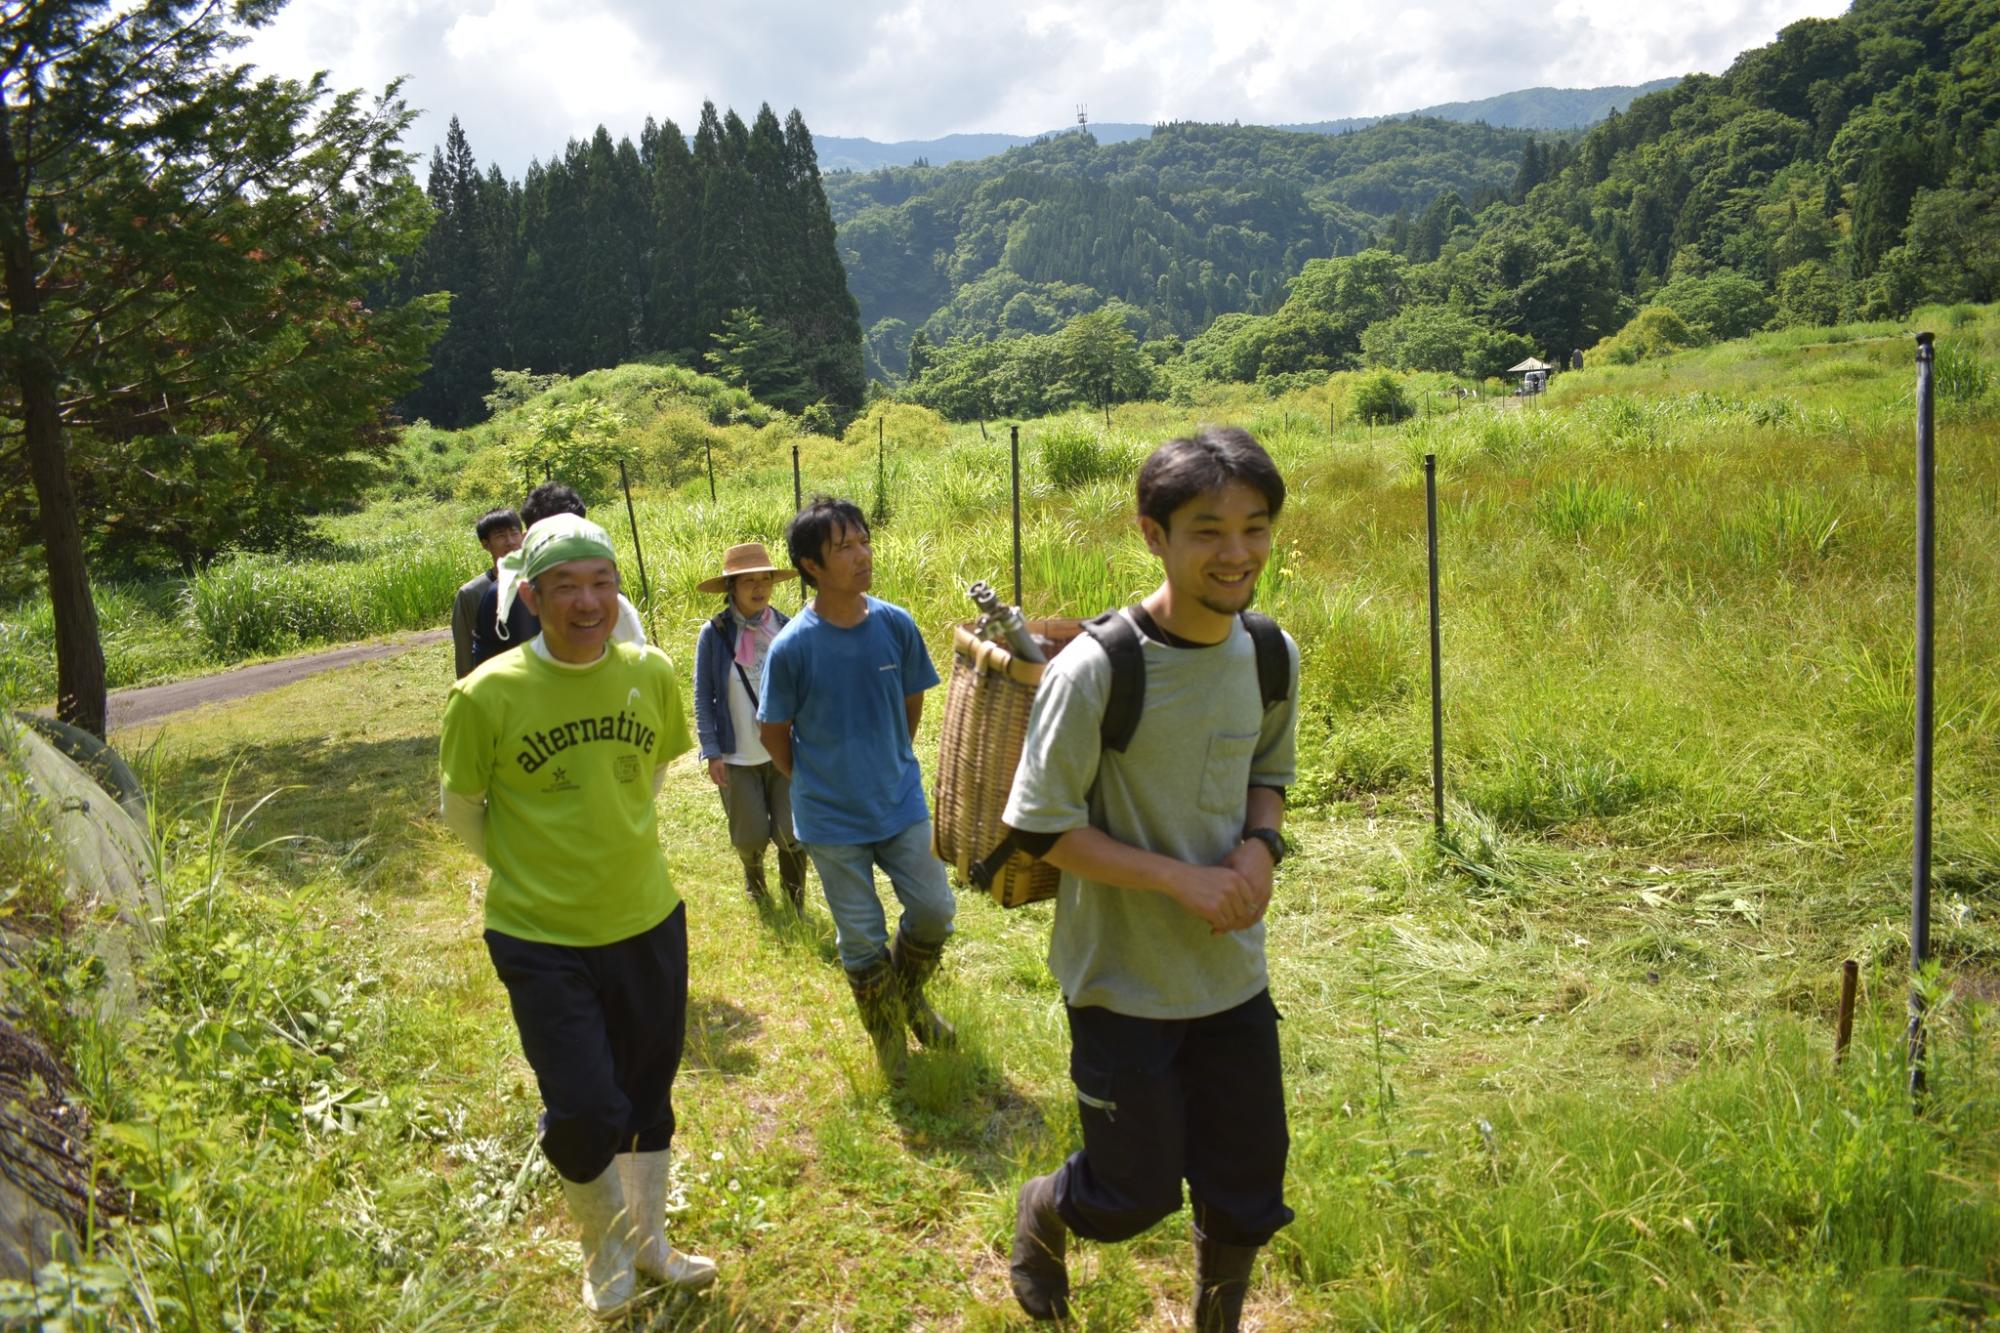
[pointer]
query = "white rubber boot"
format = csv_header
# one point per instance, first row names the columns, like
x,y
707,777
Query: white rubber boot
x,y
609,1245
645,1176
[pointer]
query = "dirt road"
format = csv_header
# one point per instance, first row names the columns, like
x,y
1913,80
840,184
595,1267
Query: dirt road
x,y
130,708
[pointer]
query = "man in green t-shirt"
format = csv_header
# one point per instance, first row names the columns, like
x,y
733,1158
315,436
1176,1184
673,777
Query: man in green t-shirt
x,y
551,758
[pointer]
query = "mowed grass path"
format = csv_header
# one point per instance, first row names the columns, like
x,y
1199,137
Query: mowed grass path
x,y
1436,1044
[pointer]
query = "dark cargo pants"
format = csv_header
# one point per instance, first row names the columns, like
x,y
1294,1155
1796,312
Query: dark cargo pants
x,y
1162,1101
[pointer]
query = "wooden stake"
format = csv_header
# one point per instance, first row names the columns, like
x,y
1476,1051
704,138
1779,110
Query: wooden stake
x,y
1850,972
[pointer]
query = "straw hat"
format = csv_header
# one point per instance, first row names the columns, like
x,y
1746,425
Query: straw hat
x,y
744,558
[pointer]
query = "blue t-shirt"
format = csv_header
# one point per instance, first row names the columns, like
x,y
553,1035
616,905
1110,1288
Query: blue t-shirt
x,y
855,777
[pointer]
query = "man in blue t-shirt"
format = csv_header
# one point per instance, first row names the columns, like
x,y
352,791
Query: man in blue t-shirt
x,y
843,691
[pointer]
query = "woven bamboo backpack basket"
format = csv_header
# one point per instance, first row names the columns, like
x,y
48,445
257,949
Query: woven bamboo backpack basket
x,y
986,709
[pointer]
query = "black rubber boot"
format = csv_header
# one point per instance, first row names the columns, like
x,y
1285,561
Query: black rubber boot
x,y
915,963
876,996
792,876
1037,1272
1221,1279
754,886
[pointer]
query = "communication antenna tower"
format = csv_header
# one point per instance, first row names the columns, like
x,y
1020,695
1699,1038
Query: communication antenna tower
x,y
1082,116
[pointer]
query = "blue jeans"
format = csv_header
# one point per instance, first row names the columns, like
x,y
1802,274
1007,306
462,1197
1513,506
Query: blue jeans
x,y
847,876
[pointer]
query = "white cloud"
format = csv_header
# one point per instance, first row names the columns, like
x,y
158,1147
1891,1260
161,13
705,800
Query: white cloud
x,y
524,76
588,64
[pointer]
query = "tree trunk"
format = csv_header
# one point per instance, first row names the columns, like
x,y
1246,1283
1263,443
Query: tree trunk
x,y
80,697
79,656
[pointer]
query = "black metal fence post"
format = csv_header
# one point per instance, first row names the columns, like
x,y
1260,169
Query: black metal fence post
x,y
1437,685
638,551
1014,451
1920,868
708,447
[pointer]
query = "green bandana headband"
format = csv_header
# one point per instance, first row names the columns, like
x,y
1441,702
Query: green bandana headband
x,y
556,540
561,538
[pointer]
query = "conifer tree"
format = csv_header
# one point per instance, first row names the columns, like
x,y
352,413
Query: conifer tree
x,y
722,270
827,326
606,294
667,318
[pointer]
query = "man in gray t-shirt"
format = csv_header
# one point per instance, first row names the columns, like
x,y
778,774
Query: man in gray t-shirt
x,y
1167,850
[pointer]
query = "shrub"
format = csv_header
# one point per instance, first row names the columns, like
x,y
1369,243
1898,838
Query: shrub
x,y
490,479
514,388
1073,455
1809,295
1380,398
905,425
1654,331
577,442
672,447
1720,305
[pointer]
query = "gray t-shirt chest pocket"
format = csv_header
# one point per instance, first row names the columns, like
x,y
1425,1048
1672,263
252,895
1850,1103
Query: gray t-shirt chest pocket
x,y
1225,772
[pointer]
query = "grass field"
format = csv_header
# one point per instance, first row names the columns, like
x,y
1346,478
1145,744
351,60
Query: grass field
x,y
1571,1068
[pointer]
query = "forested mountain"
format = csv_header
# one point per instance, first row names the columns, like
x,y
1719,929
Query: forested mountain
x,y
720,254
1190,223
1527,109
852,154
1853,165
1849,169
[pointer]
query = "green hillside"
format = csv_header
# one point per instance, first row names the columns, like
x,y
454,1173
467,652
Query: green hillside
x,y
1191,223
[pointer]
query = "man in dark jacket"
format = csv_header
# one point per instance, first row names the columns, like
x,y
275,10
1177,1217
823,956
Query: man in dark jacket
x,y
500,533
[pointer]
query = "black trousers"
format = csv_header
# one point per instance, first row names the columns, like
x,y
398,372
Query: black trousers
x,y
1162,1101
602,1028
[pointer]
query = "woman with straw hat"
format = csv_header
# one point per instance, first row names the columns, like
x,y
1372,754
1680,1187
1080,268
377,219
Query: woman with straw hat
x,y
728,666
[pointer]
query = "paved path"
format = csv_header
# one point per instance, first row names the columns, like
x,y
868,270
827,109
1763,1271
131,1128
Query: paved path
x,y
131,708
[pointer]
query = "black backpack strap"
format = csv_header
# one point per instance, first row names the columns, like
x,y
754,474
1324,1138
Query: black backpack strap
x,y
1274,663
984,869
1119,637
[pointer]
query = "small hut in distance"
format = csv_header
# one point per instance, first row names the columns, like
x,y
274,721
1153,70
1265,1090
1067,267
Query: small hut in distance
x,y
1534,375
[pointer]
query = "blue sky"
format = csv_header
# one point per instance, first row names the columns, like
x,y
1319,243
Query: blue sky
x,y
524,76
